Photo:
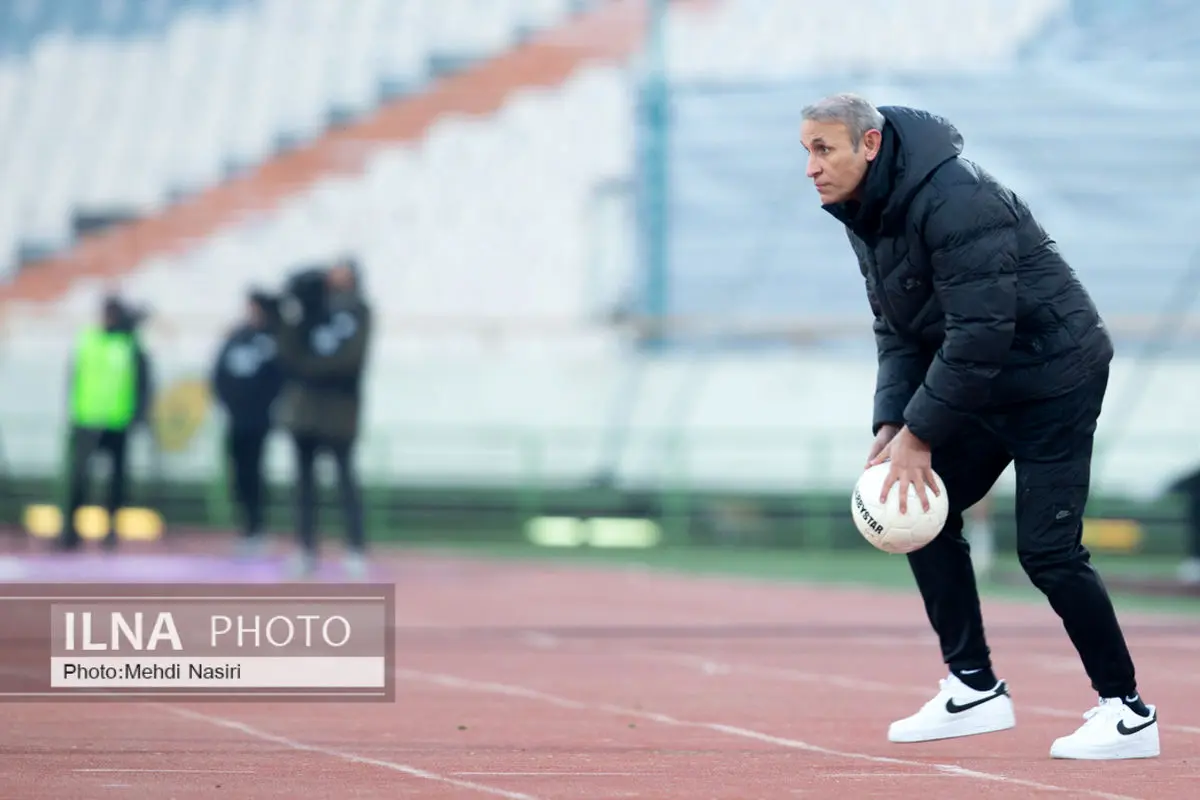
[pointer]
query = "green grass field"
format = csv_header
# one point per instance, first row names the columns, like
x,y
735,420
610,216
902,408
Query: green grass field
x,y
872,569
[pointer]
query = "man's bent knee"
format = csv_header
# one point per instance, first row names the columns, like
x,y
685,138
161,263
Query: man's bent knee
x,y
1050,569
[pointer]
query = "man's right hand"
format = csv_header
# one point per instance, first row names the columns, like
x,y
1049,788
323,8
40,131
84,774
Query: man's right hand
x,y
882,440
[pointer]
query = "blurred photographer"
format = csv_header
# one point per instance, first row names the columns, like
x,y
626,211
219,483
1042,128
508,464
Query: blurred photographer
x,y
109,394
246,380
323,336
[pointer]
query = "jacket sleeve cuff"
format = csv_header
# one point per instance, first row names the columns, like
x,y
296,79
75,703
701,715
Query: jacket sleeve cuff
x,y
929,419
889,410
880,422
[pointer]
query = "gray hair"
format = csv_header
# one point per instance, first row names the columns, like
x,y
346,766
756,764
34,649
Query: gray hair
x,y
856,113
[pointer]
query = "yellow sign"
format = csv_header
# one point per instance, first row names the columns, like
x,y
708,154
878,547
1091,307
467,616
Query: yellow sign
x,y
179,413
133,524
1112,535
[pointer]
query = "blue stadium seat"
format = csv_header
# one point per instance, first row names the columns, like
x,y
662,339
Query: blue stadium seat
x,y
24,22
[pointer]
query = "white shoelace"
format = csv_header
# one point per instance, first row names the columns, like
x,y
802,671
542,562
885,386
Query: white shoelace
x,y
1109,710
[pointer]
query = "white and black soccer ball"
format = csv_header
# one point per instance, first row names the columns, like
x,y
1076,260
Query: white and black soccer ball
x,y
884,526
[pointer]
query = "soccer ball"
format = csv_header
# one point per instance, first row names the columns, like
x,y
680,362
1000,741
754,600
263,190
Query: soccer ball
x,y
884,526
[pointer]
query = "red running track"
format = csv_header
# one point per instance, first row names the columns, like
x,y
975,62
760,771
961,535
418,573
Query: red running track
x,y
532,681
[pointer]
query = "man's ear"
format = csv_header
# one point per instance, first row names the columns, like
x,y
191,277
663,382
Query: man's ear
x,y
872,140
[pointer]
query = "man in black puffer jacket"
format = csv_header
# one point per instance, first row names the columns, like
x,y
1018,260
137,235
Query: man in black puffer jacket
x,y
990,352
323,331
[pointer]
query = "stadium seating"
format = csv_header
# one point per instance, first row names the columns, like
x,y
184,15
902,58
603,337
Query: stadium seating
x,y
116,108
1120,31
24,23
767,39
484,220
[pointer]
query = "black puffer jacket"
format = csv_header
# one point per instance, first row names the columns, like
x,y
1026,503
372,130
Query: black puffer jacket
x,y
975,308
324,355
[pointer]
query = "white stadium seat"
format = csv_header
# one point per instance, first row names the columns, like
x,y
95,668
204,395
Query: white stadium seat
x,y
124,124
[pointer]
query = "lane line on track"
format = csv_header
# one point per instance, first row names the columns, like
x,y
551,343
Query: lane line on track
x,y
301,747
535,695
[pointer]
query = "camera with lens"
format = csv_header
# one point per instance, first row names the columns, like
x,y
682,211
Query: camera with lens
x,y
304,297
122,315
136,315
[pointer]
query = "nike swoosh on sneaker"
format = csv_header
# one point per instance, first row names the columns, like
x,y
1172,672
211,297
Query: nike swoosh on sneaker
x,y
1125,730
956,708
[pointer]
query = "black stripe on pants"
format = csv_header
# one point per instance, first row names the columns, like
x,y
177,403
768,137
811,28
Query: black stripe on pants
x,y
307,450
1050,443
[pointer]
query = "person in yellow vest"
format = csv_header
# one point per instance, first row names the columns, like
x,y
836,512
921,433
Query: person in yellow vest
x,y
109,394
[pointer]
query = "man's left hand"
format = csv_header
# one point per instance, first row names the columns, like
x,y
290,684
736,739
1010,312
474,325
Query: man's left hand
x,y
911,462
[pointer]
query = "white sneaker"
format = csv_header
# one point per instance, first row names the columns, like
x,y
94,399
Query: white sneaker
x,y
355,566
957,710
300,566
1112,731
250,548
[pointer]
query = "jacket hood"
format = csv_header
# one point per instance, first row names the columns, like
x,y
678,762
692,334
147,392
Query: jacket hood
x,y
915,143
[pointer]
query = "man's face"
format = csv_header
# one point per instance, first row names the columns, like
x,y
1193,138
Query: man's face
x,y
341,278
834,165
